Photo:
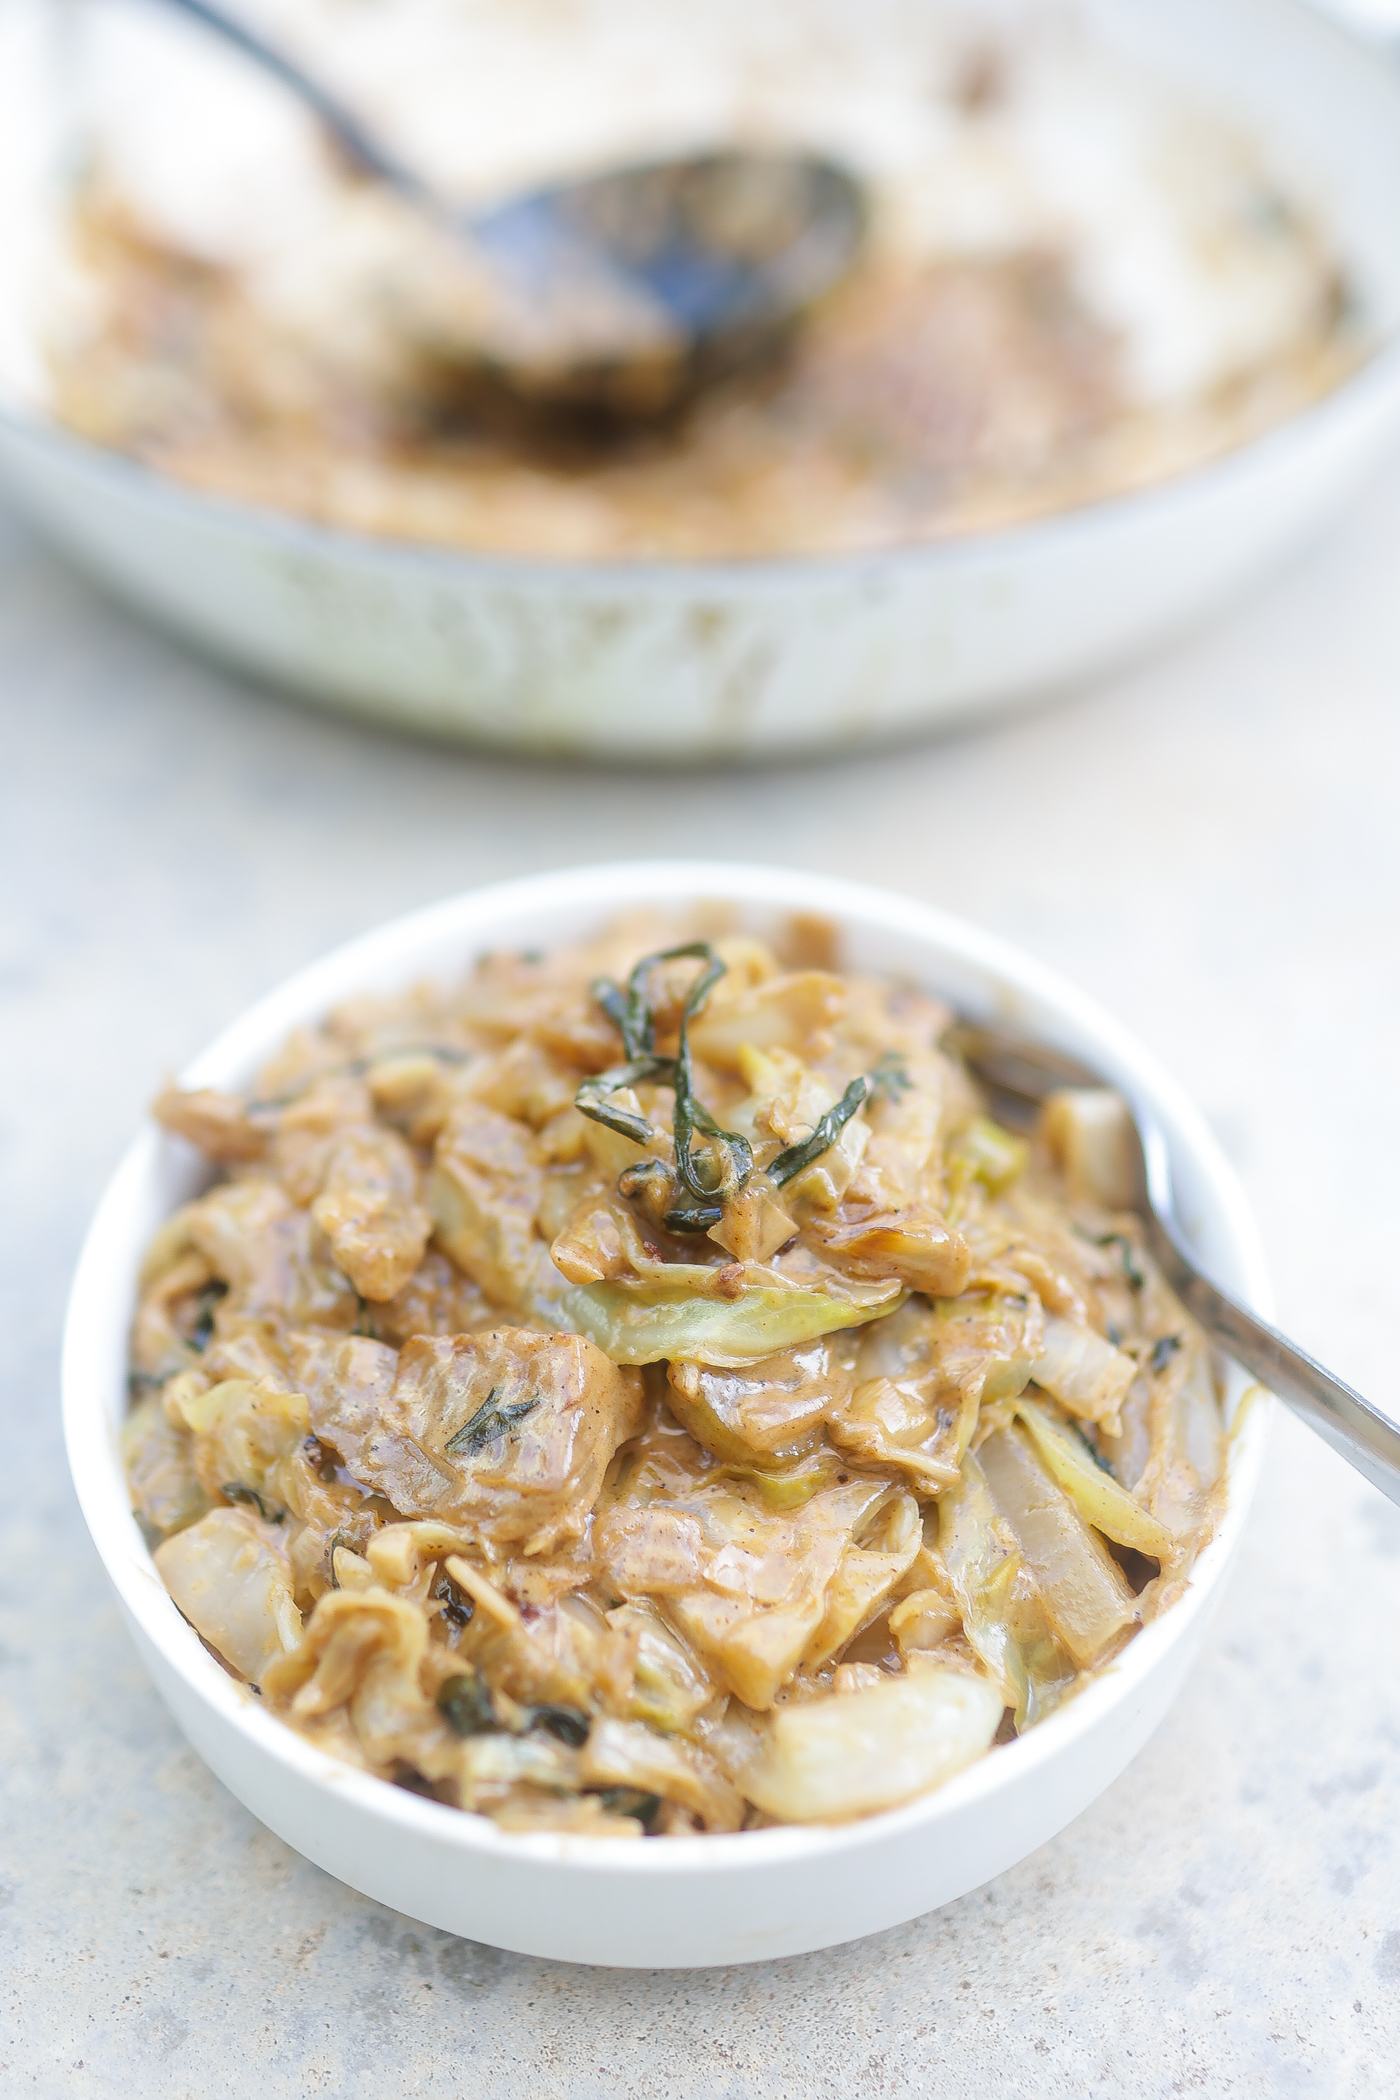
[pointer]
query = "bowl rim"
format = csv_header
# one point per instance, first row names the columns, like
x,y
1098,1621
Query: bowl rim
x,y
384,955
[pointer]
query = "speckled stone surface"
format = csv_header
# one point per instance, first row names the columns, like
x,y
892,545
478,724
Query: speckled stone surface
x,y
1212,845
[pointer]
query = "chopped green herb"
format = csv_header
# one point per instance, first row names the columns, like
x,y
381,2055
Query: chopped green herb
x,y
234,1491
631,1013
592,1101
456,1609
568,1724
704,1178
201,1334
1134,1274
697,1218
790,1163
649,1181
652,1184
631,1801
691,1116
465,1704
889,1076
1163,1350
490,1421
1093,1450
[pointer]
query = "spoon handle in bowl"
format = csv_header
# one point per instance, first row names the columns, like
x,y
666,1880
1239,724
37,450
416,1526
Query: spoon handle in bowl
x,y
1343,1418
1023,1072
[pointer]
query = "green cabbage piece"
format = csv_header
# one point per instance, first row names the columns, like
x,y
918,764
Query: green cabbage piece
x,y
665,1325
1096,1494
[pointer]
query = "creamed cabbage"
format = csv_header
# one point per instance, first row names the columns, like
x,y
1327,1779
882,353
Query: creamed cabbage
x,y
640,1390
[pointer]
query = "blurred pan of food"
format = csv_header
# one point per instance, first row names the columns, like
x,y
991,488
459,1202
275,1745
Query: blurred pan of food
x,y
1109,257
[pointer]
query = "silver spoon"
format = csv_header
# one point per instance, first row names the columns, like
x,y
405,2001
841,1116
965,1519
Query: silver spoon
x,y
1022,1073
626,292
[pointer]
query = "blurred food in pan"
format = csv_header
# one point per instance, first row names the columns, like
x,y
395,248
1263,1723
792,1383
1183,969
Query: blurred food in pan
x,y
1076,282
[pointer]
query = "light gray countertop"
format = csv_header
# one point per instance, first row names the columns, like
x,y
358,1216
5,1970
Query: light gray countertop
x,y
1212,846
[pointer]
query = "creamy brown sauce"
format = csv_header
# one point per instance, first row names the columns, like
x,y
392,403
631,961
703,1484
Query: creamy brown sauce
x,y
611,1432
921,403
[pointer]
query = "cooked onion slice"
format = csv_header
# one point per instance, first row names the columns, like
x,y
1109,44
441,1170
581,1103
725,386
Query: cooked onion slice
x,y
1085,1373
852,1753
228,1573
1085,1593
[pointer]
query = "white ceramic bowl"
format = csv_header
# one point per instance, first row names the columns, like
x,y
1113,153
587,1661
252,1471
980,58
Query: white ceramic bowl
x,y
695,660
682,1901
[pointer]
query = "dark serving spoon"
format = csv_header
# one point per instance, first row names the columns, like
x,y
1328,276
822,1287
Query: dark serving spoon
x,y
626,292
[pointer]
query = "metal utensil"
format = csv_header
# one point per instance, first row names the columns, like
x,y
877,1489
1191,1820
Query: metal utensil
x,y
629,291
1019,1073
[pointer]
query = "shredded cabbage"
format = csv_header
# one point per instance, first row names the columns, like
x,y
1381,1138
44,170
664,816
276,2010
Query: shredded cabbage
x,y
691,1473
650,1327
